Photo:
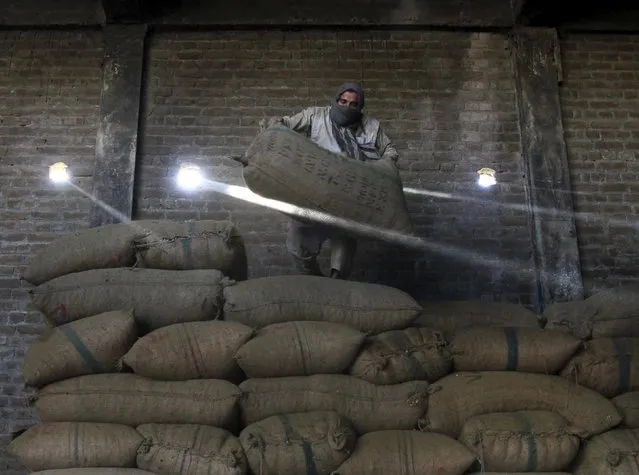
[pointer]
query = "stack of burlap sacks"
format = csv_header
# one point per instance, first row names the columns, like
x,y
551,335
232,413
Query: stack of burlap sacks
x,y
138,295
172,369
561,399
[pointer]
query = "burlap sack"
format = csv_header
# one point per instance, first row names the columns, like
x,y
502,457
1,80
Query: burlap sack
x,y
58,445
204,244
158,297
370,308
529,350
286,166
189,449
450,317
95,471
299,349
610,366
90,248
134,400
615,452
311,443
406,452
193,350
459,396
90,345
367,406
628,406
403,355
609,313
524,441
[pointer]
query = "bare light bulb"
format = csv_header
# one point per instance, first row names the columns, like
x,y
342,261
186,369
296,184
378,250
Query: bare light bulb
x,y
59,172
189,176
486,177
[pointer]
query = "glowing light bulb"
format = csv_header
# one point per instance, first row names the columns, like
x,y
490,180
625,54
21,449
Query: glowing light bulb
x,y
486,177
59,172
189,176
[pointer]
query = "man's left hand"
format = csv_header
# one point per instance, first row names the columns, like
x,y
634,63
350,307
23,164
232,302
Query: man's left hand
x,y
267,123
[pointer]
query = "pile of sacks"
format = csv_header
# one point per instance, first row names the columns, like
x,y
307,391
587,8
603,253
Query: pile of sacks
x,y
205,373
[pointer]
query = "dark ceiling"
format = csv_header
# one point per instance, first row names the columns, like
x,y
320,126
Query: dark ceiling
x,y
567,14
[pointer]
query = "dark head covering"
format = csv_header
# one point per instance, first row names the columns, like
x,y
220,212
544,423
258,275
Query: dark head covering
x,y
344,115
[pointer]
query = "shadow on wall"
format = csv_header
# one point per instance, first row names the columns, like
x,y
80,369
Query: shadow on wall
x,y
142,11
247,12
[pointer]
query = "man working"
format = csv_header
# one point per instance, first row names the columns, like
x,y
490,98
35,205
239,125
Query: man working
x,y
343,129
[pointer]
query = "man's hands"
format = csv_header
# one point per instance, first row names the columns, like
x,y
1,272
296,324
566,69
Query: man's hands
x,y
270,122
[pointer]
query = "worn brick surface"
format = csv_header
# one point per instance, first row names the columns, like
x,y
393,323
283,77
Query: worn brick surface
x,y
600,100
49,84
446,98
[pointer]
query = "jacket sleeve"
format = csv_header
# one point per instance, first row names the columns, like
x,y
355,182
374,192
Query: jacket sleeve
x,y
385,147
300,122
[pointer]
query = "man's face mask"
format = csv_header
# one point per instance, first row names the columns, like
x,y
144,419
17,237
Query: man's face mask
x,y
347,109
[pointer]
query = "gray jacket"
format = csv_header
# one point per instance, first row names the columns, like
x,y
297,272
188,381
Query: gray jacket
x,y
315,123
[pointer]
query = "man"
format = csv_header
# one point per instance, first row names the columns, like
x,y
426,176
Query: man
x,y
343,129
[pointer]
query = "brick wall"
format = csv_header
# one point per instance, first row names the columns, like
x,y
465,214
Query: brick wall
x,y
50,86
446,98
600,98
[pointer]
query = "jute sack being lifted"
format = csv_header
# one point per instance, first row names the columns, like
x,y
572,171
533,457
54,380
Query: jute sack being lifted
x,y
309,442
450,316
283,165
159,244
628,406
398,356
523,441
615,452
133,400
369,308
190,449
406,452
529,350
85,346
192,350
610,366
609,313
459,396
157,297
63,445
299,349
367,406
